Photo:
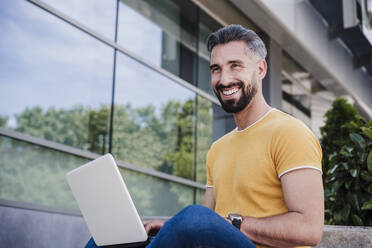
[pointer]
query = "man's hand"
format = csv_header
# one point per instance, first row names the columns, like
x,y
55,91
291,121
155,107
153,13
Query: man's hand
x,y
228,220
153,226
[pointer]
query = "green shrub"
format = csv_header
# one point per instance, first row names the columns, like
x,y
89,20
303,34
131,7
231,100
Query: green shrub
x,y
347,166
3,121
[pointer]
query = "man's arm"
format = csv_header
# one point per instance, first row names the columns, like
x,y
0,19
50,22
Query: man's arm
x,y
304,221
209,200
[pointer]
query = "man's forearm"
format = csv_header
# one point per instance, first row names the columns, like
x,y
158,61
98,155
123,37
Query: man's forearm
x,y
209,200
285,230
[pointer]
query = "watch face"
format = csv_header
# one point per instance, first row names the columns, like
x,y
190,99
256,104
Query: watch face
x,y
236,219
235,216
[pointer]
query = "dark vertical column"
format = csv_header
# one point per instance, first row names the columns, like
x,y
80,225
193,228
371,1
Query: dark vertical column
x,y
113,80
272,83
195,163
189,42
196,105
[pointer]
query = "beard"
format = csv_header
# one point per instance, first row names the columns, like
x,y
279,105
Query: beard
x,y
237,105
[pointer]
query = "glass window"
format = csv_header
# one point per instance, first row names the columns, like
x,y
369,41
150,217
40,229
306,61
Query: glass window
x,y
98,15
303,96
223,122
204,75
55,80
162,32
296,90
204,137
207,25
296,102
34,174
154,120
156,197
212,123
199,196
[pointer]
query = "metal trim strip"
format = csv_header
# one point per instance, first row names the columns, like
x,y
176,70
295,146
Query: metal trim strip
x,y
89,155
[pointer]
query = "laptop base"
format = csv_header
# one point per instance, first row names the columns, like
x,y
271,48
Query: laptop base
x,y
129,245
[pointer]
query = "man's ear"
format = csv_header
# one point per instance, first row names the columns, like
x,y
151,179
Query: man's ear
x,y
261,69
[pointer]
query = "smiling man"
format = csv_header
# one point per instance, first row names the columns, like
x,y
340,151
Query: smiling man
x,y
265,175
264,184
269,169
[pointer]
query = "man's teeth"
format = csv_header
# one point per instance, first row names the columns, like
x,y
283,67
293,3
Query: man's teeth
x,y
229,92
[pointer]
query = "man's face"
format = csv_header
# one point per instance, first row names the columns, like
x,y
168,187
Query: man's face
x,y
234,78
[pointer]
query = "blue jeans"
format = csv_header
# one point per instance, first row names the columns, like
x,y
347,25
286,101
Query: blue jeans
x,y
197,226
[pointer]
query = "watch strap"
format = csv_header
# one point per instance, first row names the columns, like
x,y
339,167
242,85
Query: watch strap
x,y
236,223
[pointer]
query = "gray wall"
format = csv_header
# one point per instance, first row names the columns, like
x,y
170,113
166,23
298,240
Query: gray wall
x,y
272,83
29,228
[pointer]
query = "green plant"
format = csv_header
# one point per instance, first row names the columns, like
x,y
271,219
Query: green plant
x,y
3,121
347,166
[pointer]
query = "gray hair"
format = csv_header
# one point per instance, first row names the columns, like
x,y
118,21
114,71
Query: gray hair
x,y
235,32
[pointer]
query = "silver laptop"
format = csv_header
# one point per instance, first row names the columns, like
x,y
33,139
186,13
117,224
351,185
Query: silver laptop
x,y
105,203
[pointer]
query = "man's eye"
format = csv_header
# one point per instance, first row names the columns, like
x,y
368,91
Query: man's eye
x,y
214,69
234,65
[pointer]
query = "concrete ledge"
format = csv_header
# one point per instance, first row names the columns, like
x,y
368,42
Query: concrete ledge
x,y
23,228
346,237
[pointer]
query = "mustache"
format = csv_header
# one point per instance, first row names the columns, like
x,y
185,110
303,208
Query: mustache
x,y
221,87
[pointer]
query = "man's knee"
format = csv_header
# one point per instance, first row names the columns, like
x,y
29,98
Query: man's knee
x,y
195,210
193,218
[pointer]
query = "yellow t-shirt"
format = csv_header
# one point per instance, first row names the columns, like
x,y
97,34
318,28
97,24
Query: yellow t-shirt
x,y
244,167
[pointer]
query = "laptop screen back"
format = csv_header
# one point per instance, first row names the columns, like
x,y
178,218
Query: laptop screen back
x,y
105,202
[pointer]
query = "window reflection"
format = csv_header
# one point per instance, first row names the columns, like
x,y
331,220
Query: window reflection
x,y
296,90
139,34
162,32
207,25
154,120
55,80
34,174
159,197
303,96
204,75
204,137
96,14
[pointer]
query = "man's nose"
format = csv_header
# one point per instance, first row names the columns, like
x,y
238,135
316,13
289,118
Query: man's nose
x,y
225,78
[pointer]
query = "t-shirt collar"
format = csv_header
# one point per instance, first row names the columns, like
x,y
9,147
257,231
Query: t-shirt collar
x,y
268,112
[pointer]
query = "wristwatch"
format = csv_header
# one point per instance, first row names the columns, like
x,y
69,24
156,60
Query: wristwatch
x,y
236,219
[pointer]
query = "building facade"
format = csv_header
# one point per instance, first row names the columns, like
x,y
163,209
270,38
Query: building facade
x,y
131,77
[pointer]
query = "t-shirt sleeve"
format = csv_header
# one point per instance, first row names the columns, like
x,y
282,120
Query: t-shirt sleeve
x,y
293,147
209,169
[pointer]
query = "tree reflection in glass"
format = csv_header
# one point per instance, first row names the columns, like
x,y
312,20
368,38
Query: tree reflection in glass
x,y
154,120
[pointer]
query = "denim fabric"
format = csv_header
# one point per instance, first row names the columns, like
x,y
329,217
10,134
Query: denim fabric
x,y
197,227
91,244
